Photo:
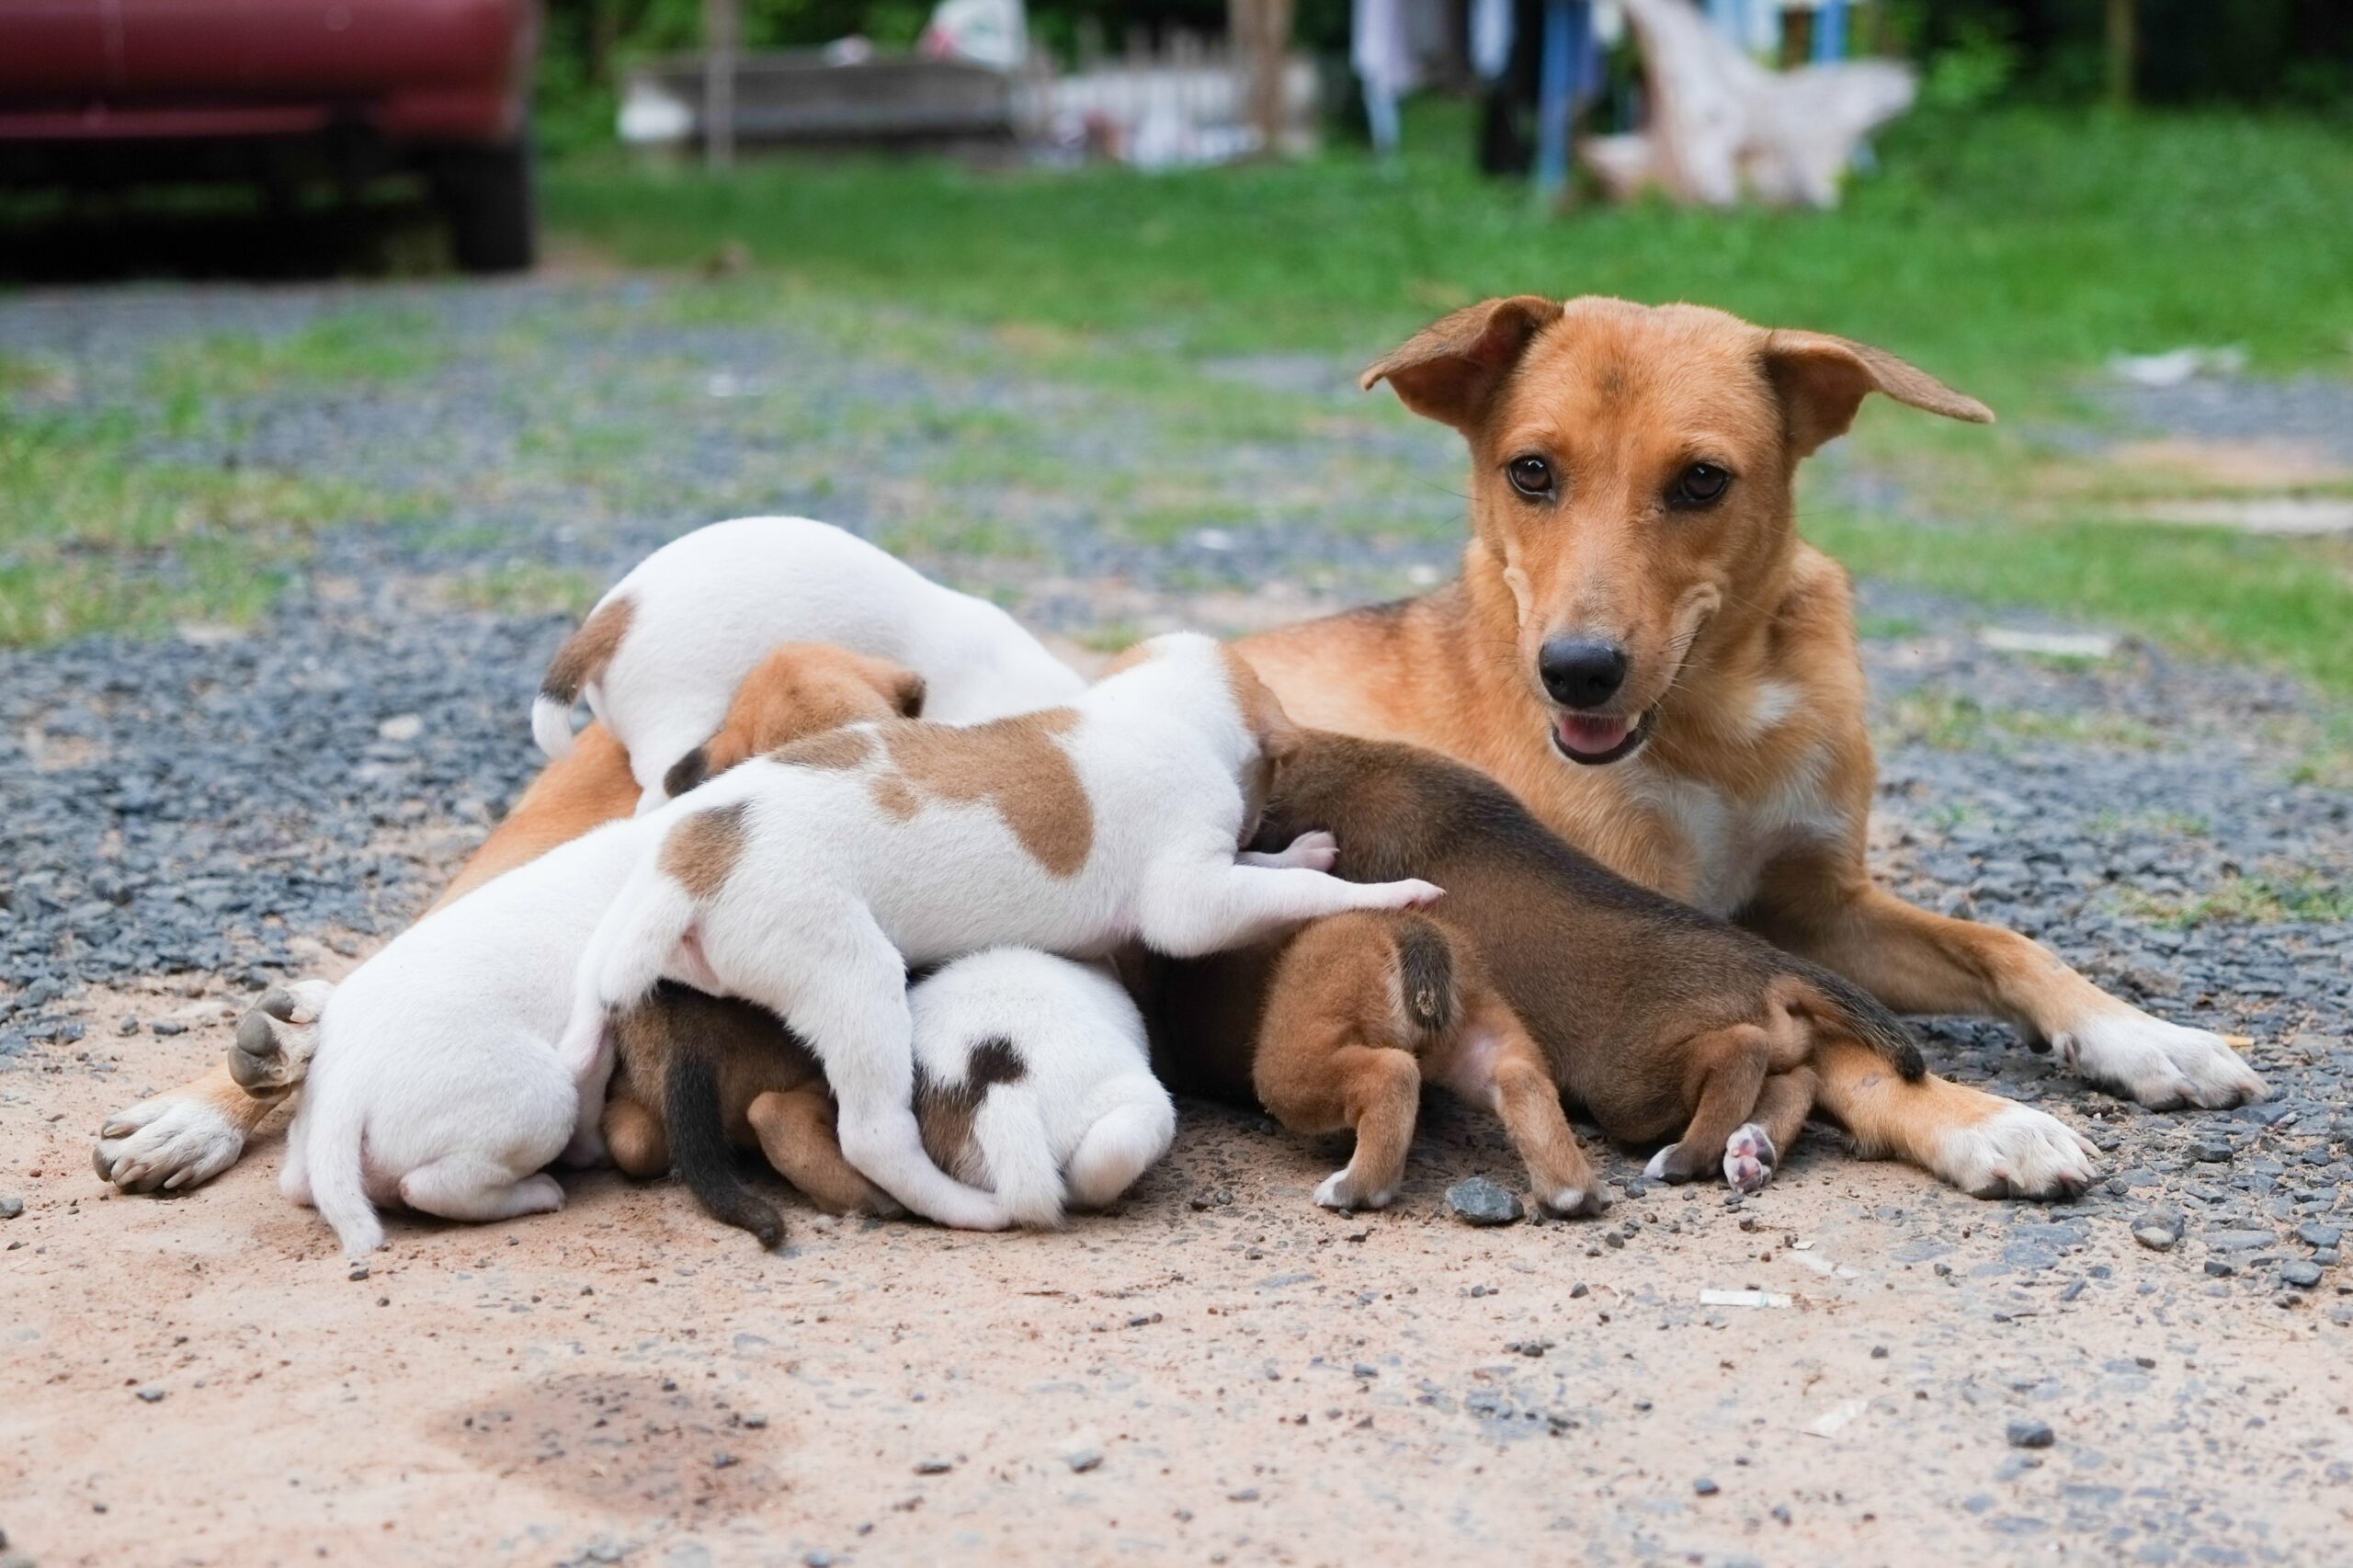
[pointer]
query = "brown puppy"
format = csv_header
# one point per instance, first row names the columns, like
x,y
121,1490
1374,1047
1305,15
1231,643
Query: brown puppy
x,y
1538,973
696,1077
1642,649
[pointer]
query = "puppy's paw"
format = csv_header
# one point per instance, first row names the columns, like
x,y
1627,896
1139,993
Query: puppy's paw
x,y
1317,851
1587,1202
2018,1151
1749,1158
1341,1190
2164,1066
276,1038
1657,1169
1412,893
172,1141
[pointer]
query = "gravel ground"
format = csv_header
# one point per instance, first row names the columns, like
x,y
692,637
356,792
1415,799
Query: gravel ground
x,y
189,818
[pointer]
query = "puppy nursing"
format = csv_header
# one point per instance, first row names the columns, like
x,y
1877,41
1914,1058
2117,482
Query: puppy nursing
x,y
659,656
810,880
436,1082
1538,973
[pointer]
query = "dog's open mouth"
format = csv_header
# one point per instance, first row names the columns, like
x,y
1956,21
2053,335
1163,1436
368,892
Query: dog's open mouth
x,y
1595,738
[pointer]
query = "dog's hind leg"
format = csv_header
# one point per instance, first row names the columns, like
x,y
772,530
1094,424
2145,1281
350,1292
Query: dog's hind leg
x,y
635,1138
1122,1145
1756,1148
1527,1100
477,1187
796,1132
841,985
1191,907
1726,1070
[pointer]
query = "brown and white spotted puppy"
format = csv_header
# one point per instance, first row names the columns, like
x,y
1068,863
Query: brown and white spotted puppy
x,y
1539,973
1642,649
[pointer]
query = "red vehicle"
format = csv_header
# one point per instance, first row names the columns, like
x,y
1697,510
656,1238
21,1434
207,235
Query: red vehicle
x,y
283,92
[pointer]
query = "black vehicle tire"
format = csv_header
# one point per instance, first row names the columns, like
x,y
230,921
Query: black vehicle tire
x,y
485,193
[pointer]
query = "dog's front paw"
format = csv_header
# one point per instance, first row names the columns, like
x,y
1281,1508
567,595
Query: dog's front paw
x,y
1341,1190
172,1141
275,1038
2162,1065
2018,1151
1318,851
1749,1158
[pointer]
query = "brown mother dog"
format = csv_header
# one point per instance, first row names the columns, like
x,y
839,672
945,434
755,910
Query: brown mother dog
x,y
1642,649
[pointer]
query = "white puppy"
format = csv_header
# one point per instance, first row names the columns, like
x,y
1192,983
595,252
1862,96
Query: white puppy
x,y
661,654
808,880
435,1080
1033,1080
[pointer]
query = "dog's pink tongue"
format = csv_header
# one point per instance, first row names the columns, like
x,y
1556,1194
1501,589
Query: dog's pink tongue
x,y
1592,736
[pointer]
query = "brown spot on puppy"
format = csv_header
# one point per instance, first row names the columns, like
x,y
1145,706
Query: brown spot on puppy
x,y
837,752
587,652
702,850
944,1112
1012,765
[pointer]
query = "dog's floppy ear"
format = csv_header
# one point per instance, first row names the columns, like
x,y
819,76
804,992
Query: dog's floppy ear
x,y
1448,371
686,772
1823,378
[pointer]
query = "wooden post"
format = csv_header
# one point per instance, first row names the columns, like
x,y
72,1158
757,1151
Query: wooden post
x,y
1261,34
722,30
2123,51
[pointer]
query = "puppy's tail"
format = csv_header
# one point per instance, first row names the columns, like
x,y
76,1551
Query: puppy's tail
x,y
1011,1139
1428,1003
698,1150
335,1125
1837,1003
577,665
623,960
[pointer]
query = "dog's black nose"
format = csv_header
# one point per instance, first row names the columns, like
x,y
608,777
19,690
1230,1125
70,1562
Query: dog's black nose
x,y
1581,672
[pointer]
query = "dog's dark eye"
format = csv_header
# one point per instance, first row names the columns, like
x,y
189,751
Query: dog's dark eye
x,y
1531,477
1701,484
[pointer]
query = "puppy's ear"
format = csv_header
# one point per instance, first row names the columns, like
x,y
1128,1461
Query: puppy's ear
x,y
686,772
908,694
1449,370
1823,379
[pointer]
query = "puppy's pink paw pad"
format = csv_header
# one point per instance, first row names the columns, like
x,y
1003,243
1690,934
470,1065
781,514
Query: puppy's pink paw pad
x,y
1749,1158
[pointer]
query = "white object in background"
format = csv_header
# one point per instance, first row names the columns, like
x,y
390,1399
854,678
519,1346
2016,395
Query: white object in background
x,y
2174,366
1743,1299
1491,37
2050,644
987,32
1832,1420
1380,48
651,116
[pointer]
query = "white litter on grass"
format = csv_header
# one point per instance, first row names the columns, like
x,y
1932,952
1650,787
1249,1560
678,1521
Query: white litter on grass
x,y
1830,1421
1213,538
2255,515
400,727
2177,365
1712,1298
2050,644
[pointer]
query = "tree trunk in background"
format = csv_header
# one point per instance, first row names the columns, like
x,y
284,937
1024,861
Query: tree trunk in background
x,y
722,29
1261,31
2124,50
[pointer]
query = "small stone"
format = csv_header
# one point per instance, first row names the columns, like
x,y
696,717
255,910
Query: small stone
x,y
933,1467
1879,1352
2156,1238
2219,1269
755,1421
129,1026
358,1271
1247,1494
2030,1435
1705,1487
2312,1233
724,1460
150,1394
1578,1293
1478,1201
2210,1152
2301,1273
11,1207
167,1026
818,1559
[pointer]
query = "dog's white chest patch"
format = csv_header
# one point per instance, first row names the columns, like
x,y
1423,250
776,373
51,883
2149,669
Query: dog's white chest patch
x,y
1731,840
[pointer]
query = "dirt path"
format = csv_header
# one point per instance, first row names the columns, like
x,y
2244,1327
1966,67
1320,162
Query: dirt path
x,y
195,1381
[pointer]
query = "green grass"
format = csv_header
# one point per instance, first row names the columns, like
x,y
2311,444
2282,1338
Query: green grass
x,y
2244,900
94,539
